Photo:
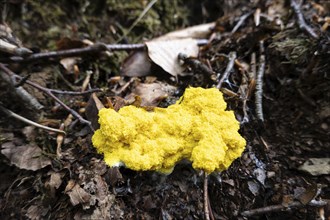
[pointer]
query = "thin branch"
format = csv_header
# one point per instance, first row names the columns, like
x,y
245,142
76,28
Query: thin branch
x,y
232,57
143,13
96,48
241,21
275,208
26,97
206,198
301,21
49,92
21,118
74,93
259,83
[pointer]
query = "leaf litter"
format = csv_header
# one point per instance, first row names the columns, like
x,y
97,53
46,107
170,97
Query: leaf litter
x,y
279,168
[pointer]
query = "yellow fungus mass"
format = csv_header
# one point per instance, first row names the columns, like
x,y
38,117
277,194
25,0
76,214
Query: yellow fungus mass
x,y
196,128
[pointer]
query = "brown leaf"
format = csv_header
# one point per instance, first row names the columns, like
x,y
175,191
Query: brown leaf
x,y
27,156
54,182
136,65
92,110
114,176
77,194
35,212
307,195
69,64
151,94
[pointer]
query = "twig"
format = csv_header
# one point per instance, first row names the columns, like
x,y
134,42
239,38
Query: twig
x,y
206,198
259,83
50,92
144,12
13,49
250,87
301,21
232,57
241,21
21,118
22,81
26,97
73,92
96,48
275,208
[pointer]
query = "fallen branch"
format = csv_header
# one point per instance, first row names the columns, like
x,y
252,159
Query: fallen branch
x,y
96,48
275,208
26,97
259,83
50,93
232,57
301,21
21,118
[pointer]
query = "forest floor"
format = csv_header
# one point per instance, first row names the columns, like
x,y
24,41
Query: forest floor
x,y
276,55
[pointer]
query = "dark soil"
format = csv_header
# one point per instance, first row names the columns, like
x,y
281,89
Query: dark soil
x,y
79,185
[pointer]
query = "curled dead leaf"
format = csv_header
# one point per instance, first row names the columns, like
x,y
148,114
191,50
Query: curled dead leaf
x,y
77,194
136,65
29,156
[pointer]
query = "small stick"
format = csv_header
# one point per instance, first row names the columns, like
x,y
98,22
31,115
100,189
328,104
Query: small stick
x,y
26,97
96,48
144,12
232,57
259,83
21,118
74,93
49,92
206,198
241,21
275,208
301,21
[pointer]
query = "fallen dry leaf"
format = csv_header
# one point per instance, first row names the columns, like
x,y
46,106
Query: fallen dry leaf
x,y
151,94
69,63
54,182
197,31
165,53
92,109
306,195
136,65
316,166
27,156
77,194
36,212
